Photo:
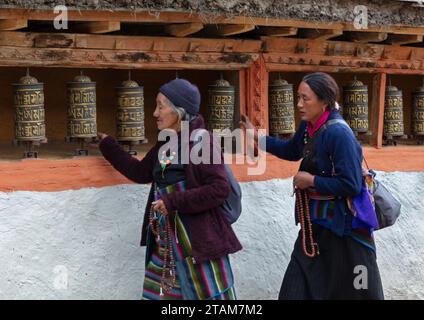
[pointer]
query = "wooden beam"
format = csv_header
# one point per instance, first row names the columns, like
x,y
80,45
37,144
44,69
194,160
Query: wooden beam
x,y
122,59
366,36
296,60
15,38
54,40
377,109
141,43
232,29
13,24
343,64
183,29
98,27
320,34
280,67
278,31
394,56
401,39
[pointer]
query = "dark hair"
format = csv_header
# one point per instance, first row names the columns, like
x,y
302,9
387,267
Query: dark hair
x,y
324,86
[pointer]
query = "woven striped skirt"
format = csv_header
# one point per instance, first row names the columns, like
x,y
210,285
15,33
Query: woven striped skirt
x,y
212,279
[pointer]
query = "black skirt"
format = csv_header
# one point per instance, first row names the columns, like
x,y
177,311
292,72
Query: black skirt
x,y
344,269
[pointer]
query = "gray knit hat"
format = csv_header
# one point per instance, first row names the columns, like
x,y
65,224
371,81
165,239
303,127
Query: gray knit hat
x,y
182,94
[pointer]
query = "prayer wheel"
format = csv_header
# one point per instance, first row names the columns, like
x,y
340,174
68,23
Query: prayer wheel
x,y
81,93
393,112
281,117
130,115
28,97
355,108
418,111
220,105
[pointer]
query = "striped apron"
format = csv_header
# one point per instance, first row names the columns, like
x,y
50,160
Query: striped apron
x,y
212,279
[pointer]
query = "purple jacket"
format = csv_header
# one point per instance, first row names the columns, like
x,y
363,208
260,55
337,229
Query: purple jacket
x,y
207,187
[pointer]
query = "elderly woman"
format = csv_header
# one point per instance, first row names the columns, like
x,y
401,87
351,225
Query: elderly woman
x,y
187,236
334,255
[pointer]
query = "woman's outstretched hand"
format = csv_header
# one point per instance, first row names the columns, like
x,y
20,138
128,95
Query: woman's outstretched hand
x,y
247,124
100,137
245,121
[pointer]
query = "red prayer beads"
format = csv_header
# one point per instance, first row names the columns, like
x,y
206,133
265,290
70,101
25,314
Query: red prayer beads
x,y
168,278
304,217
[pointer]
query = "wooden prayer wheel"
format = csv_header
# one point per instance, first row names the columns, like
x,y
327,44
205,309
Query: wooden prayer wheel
x,y
355,105
221,97
393,112
130,115
28,97
281,102
418,111
81,93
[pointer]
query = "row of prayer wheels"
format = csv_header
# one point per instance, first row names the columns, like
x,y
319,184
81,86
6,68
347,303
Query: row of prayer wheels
x,y
355,109
30,124
81,116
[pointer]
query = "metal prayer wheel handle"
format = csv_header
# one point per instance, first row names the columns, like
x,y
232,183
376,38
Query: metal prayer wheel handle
x,y
281,108
81,121
130,113
418,111
355,106
393,113
221,99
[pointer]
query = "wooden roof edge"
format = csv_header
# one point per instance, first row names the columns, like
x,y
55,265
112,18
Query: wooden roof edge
x,y
204,18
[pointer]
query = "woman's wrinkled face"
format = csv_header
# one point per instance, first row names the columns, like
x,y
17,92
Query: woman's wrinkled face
x,y
310,106
166,117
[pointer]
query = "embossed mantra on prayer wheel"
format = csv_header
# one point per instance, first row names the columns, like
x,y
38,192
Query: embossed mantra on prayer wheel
x,y
418,111
220,105
393,112
81,94
130,115
355,107
28,97
281,118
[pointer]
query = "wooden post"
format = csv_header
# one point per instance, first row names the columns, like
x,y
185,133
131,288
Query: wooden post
x,y
377,109
257,94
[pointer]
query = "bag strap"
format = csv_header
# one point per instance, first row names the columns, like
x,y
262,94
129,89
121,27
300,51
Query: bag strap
x,y
328,124
334,121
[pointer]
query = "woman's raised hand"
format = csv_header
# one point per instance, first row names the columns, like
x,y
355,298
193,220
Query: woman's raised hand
x,y
100,137
247,124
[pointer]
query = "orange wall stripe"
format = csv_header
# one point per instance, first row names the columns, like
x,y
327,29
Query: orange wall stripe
x,y
72,174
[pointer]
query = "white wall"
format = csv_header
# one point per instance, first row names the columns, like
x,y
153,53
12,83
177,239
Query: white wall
x,y
85,244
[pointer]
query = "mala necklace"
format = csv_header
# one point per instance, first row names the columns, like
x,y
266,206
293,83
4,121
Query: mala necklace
x,y
304,216
168,278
